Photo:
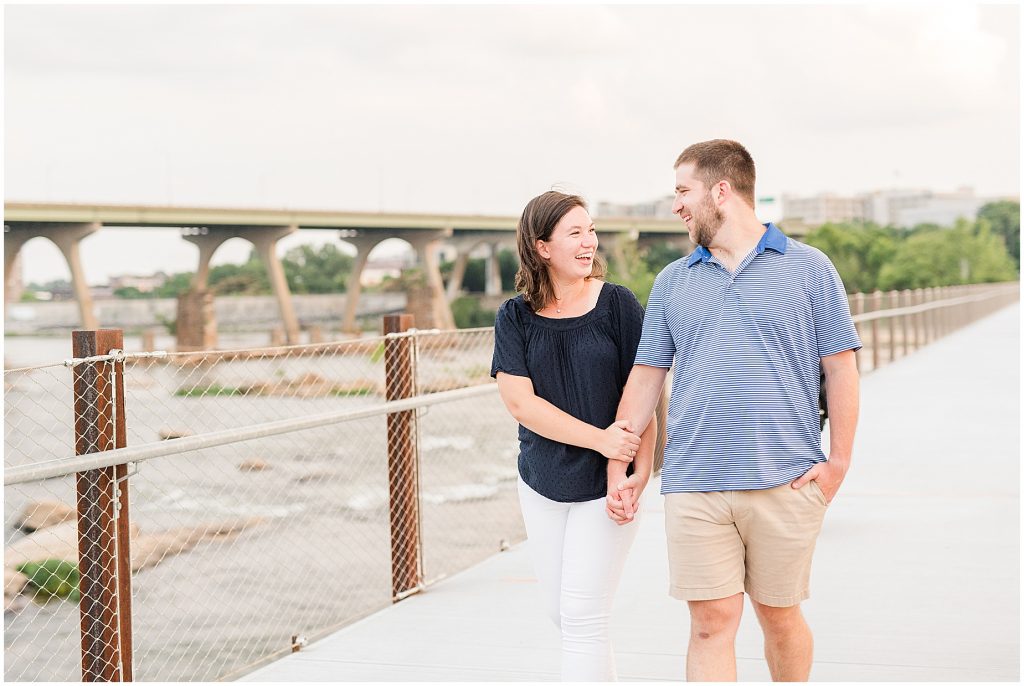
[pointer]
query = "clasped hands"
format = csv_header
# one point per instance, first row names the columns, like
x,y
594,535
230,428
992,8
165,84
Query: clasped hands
x,y
620,447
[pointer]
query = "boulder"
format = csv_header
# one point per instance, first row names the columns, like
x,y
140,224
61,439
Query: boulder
x,y
60,542
43,514
14,584
149,550
169,434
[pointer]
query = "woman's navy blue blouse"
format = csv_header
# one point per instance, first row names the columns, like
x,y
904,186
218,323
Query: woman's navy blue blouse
x,y
579,365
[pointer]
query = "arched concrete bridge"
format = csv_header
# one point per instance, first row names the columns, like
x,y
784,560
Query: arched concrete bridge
x,y
208,228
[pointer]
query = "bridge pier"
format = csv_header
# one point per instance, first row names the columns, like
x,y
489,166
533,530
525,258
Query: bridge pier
x,y
464,248
492,271
14,238
207,240
430,297
458,274
426,245
265,240
67,238
364,245
196,321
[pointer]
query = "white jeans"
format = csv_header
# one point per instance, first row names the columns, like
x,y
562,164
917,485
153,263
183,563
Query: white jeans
x,y
578,554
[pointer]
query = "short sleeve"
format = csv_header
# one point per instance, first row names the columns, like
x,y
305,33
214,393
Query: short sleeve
x,y
630,316
509,342
833,325
657,349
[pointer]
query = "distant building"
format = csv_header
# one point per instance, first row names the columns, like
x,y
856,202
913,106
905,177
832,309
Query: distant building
x,y
933,208
377,270
60,290
903,208
824,207
766,208
656,209
101,292
144,284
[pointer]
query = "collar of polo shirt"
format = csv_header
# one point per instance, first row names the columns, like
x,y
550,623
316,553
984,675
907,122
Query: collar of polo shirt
x,y
772,239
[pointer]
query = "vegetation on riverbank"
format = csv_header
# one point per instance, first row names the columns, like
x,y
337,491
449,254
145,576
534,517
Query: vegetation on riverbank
x,y
867,256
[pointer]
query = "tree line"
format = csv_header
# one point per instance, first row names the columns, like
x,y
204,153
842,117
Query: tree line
x,y
867,256
870,257
307,269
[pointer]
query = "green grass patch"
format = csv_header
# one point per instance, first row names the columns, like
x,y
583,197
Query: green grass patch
x,y
212,390
53,578
350,392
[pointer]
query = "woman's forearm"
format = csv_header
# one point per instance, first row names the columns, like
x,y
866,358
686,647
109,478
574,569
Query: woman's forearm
x,y
544,419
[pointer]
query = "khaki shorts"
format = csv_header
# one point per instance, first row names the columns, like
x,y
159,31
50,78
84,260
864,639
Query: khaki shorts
x,y
724,543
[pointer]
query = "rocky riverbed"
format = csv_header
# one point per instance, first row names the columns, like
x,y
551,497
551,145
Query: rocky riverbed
x,y
259,541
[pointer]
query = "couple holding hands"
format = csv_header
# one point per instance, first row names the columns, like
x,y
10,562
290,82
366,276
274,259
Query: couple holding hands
x,y
748,323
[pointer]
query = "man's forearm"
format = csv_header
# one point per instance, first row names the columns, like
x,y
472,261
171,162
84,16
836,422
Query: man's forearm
x,y
640,396
643,463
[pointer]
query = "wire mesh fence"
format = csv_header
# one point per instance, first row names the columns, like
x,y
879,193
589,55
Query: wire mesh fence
x,y
247,558
249,538
243,550
38,414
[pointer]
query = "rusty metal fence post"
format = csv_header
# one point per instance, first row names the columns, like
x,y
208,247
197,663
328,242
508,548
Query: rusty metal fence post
x,y
104,558
403,464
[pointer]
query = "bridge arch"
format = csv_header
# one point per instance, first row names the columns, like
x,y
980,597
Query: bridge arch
x,y
67,237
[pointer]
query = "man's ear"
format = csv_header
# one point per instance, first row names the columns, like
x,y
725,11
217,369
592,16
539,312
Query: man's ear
x,y
723,191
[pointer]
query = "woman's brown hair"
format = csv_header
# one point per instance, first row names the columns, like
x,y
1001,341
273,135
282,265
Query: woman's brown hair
x,y
540,216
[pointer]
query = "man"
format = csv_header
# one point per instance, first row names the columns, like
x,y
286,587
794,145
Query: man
x,y
750,319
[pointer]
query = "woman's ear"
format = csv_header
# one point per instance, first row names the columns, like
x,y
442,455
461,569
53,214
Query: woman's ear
x,y
542,249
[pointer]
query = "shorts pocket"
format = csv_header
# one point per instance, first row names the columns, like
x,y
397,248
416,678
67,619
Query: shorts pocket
x,y
821,494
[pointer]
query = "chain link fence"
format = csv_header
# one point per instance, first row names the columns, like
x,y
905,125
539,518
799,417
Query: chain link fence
x,y
244,549
264,488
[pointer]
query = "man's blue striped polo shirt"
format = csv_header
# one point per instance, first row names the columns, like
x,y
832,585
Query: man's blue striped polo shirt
x,y
747,348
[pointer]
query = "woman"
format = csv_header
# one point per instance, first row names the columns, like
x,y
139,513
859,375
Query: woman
x,y
563,350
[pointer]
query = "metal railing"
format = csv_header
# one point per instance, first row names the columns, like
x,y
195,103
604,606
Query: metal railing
x,y
276,494
268,514
893,324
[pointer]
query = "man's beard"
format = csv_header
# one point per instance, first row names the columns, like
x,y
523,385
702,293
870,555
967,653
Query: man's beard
x,y
707,222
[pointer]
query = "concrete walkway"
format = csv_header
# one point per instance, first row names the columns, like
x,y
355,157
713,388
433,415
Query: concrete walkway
x,y
916,575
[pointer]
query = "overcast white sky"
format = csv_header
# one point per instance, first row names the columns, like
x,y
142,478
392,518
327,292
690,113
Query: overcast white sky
x,y
475,109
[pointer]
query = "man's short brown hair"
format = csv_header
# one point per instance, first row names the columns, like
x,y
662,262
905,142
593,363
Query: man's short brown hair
x,y
721,159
